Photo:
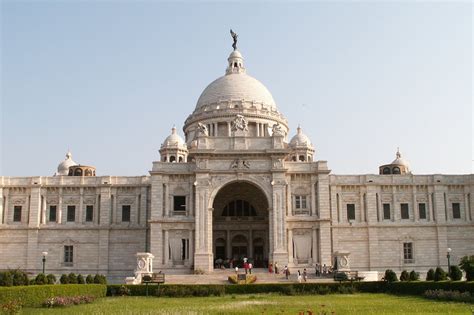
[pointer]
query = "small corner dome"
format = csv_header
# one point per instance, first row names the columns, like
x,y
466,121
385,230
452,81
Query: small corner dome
x,y
174,140
401,161
63,167
300,139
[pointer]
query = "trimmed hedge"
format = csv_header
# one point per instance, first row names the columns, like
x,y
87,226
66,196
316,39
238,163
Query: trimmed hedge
x,y
35,295
183,290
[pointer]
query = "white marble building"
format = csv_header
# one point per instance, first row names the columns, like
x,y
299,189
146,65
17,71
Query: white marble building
x,y
234,187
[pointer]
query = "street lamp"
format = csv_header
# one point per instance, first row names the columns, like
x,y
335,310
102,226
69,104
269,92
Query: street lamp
x,y
44,259
448,255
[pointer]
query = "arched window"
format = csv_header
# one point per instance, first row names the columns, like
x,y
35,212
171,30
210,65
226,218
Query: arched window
x,y
294,158
396,170
239,208
302,158
386,170
172,158
235,64
180,159
78,172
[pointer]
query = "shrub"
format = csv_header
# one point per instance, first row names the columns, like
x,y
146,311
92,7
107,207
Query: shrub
x,y
41,279
440,274
6,279
390,276
430,275
80,279
89,279
404,276
11,307
51,278
249,279
455,273
100,279
449,296
72,278
64,279
63,301
467,265
414,276
34,296
20,277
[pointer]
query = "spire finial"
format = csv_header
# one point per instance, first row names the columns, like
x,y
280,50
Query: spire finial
x,y
173,130
234,37
68,154
399,155
298,130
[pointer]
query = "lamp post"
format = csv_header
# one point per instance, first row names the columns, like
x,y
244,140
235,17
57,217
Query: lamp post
x,y
44,259
448,255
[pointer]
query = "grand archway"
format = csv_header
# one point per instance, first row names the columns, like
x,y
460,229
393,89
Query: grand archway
x,y
240,225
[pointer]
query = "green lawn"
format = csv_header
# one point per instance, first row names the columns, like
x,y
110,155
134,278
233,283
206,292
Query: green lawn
x,y
265,304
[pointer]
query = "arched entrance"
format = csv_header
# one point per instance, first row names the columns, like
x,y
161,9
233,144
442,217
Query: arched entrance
x,y
240,225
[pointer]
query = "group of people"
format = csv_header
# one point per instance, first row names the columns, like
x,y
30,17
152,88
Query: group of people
x,y
286,271
323,270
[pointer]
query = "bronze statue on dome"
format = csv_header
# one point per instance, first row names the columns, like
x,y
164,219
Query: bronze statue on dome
x,y
234,37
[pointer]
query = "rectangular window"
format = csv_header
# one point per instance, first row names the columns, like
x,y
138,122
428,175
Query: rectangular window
x,y
405,214
126,213
300,202
408,253
456,210
52,213
89,213
386,211
351,213
68,255
179,203
17,214
422,210
71,213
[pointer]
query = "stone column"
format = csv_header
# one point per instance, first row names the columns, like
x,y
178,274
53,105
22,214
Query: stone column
x,y
43,210
60,206
191,246
250,244
313,197
81,205
416,214
257,127
35,207
166,201
5,207
228,245
203,258
315,245
135,215
229,131
280,253
325,243
362,207
2,201
166,249
290,246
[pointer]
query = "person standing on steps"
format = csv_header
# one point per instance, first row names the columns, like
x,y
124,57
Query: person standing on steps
x,y
299,276
250,268
305,275
276,268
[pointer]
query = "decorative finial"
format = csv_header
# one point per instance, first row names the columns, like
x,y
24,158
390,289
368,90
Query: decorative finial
x,y
68,154
173,130
298,130
399,155
234,37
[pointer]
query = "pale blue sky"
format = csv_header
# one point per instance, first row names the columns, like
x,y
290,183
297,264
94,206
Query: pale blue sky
x,y
109,79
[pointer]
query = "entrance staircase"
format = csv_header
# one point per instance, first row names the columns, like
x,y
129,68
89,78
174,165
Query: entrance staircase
x,y
219,276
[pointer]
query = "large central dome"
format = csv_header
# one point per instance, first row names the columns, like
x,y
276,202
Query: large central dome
x,y
236,85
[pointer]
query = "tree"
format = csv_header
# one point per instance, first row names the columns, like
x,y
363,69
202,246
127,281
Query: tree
x,y
467,265
51,278
430,275
90,279
64,279
72,278
41,279
404,276
6,279
440,274
414,276
390,276
455,273
80,279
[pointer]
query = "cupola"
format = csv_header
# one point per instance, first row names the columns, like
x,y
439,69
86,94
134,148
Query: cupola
x,y
174,148
63,167
301,148
397,167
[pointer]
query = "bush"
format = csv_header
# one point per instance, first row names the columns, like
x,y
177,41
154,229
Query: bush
x,y
430,275
440,274
414,276
455,273
467,265
89,279
41,279
64,279
11,307
51,279
80,279
100,279
63,301
34,296
390,276
404,276
72,278
20,277
6,279
449,296
249,279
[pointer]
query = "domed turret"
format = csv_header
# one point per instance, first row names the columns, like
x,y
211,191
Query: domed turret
x,y
302,149
397,167
63,167
174,148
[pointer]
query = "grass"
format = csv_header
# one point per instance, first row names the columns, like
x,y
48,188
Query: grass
x,y
265,304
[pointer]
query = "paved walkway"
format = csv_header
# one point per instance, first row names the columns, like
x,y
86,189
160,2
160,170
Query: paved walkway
x,y
220,277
